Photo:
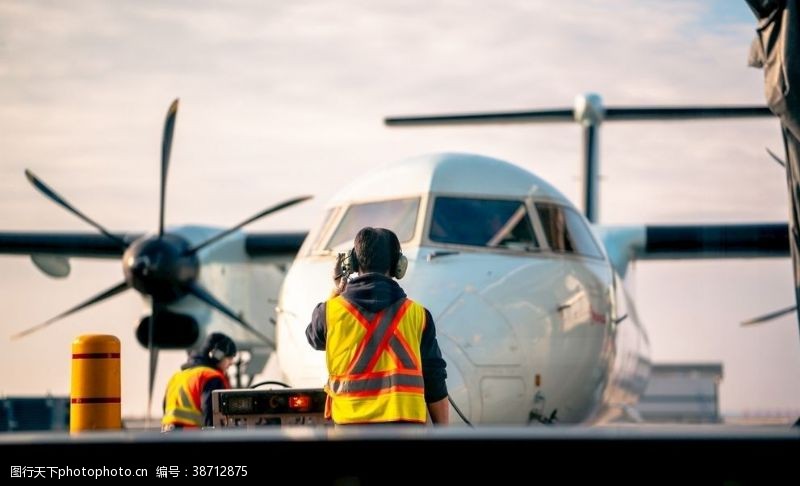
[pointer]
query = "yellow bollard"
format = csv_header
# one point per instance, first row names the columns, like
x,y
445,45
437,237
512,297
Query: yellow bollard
x,y
95,396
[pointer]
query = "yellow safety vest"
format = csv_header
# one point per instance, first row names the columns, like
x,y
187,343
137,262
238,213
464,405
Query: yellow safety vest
x,y
182,404
374,363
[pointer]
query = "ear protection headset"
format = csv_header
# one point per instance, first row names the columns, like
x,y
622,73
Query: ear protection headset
x,y
400,266
397,270
399,261
219,346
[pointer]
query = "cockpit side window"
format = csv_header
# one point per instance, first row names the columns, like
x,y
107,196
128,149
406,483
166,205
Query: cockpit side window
x,y
488,223
399,215
314,238
566,232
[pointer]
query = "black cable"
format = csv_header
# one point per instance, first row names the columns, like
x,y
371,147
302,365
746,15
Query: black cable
x,y
270,382
459,412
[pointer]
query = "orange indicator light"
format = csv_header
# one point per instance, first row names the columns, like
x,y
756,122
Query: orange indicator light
x,y
300,402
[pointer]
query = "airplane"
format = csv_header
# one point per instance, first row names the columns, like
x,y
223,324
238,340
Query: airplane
x,y
526,291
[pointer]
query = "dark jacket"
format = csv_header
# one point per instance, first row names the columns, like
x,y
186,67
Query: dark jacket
x,y
373,292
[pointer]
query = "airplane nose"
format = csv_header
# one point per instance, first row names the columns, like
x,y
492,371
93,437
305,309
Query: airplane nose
x,y
495,309
492,328
480,331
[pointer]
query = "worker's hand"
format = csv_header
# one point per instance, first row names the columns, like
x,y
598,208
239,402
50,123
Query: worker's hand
x,y
338,273
339,278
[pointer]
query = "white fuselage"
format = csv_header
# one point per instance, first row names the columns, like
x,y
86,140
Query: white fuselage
x,y
527,335
500,322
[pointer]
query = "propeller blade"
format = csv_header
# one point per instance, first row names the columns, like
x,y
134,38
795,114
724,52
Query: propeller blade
x,y
770,316
120,287
591,171
55,197
223,234
776,158
153,362
652,113
166,149
530,116
209,299
568,115
151,379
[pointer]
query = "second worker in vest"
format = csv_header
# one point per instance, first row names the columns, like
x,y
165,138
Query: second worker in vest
x,y
187,403
384,363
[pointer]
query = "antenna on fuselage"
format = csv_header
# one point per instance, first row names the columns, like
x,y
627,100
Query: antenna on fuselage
x,y
590,113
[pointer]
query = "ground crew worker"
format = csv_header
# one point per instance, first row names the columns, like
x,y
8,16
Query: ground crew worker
x,y
384,363
187,402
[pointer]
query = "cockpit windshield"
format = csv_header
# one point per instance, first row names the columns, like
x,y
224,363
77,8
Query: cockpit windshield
x,y
492,223
399,215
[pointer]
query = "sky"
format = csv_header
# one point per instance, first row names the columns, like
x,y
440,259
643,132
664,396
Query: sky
x,y
280,99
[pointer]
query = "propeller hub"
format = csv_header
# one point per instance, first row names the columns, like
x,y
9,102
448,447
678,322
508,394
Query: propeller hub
x,y
160,267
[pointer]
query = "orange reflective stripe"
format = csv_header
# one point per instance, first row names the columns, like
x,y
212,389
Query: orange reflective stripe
x,y
373,374
388,334
377,384
371,326
370,347
395,357
184,400
383,391
355,313
369,351
406,356
372,340
399,340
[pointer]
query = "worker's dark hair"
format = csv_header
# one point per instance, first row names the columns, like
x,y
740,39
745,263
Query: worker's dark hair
x,y
218,346
377,250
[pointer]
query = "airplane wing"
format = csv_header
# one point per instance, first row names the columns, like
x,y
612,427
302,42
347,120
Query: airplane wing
x,y
51,251
93,245
669,242
273,244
